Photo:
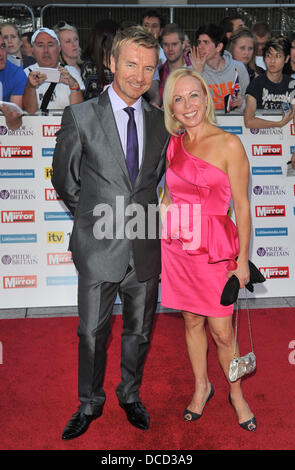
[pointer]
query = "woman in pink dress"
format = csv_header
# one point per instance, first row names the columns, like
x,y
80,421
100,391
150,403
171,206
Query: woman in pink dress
x,y
206,167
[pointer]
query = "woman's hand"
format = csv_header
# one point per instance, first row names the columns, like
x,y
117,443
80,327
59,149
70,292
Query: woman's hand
x,y
242,273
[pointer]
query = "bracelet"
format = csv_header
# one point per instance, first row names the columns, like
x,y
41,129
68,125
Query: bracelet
x,y
75,88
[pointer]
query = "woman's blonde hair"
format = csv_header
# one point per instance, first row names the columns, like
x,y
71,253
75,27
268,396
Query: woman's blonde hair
x,y
240,34
64,26
173,126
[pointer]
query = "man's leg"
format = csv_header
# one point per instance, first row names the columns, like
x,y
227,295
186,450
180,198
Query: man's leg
x,y
95,303
139,305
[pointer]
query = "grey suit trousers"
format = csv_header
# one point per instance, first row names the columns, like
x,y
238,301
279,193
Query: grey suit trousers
x,y
95,302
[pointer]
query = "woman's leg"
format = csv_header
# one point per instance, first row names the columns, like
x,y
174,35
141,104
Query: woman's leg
x,y
197,345
223,335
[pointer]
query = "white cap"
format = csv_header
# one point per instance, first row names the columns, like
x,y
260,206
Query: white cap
x,y
47,31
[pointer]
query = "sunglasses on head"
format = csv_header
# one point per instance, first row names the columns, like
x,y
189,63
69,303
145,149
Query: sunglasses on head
x,y
62,24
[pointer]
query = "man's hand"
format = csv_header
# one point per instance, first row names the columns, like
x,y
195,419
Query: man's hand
x,y
67,79
9,113
286,118
197,61
237,101
35,79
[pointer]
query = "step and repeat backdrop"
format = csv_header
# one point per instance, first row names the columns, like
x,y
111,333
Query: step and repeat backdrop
x,y
36,268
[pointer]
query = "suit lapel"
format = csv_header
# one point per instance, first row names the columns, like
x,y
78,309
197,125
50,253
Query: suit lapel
x,y
108,123
147,133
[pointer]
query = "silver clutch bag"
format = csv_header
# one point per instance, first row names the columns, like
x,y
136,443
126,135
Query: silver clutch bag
x,y
240,366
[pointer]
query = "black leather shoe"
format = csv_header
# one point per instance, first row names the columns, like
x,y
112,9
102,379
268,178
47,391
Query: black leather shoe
x,y
136,414
78,424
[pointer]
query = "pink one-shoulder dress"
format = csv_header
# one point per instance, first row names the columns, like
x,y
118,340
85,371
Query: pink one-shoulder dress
x,y
199,239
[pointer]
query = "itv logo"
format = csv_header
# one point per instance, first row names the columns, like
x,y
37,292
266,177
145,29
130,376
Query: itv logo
x,y
55,237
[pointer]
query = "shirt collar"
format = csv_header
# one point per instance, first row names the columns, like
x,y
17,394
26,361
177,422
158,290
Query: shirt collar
x,y
118,103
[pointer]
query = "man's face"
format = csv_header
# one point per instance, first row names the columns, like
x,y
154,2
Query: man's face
x,y
3,53
275,60
173,47
261,42
238,24
46,50
26,47
207,48
133,71
153,25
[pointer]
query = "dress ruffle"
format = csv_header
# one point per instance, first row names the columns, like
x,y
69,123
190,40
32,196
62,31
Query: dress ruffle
x,y
215,235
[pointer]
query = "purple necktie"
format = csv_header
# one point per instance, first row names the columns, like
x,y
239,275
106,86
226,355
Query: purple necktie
x,y
132,145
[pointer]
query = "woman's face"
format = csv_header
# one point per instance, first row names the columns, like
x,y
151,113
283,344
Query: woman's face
x,y
189,102
11,39
69,42
244,50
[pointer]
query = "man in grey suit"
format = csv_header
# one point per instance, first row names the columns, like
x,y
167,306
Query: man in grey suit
x,y
107,162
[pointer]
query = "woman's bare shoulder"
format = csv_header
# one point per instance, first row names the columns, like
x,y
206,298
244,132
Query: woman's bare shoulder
x,y
226,140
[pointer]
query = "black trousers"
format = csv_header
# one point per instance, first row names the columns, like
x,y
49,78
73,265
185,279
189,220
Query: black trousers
x,y
95,303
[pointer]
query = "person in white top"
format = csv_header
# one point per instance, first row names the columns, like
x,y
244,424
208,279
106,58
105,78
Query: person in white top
x,y
262,34
46,49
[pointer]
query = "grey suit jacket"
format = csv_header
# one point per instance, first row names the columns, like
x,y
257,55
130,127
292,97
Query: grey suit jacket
x,y
89,171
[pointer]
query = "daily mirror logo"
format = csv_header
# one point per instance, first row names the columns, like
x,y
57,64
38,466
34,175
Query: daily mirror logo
x,y
17,216
277,272
50,130
270,211
16,151
15,282
51,195
267,150
57,259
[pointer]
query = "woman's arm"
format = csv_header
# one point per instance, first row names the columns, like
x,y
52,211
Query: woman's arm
x,y
238,173
166,200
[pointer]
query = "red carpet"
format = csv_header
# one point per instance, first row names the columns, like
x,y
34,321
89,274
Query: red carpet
x,y
39,388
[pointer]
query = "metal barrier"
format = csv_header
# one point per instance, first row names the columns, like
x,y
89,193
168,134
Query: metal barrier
x,y
280,17
20,14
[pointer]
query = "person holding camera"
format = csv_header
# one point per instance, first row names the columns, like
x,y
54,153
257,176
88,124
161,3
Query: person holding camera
x,y
62,87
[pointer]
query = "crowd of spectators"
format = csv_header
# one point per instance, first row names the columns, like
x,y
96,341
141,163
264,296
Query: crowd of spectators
x,y
246,68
